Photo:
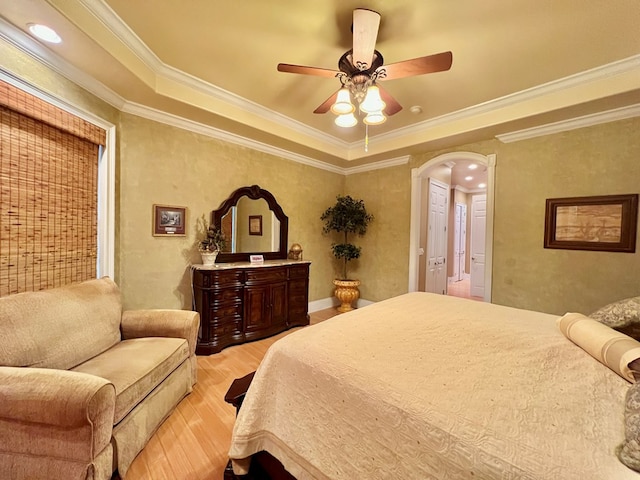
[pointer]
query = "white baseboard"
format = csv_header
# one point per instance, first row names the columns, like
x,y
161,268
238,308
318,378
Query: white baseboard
x,y
364,303
323,304
331,302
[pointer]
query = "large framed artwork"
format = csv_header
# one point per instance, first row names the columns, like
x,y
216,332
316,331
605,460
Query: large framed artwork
x,y
605,223
169,221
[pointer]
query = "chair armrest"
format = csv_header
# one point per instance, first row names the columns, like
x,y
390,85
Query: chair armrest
x,y
45,411
162,323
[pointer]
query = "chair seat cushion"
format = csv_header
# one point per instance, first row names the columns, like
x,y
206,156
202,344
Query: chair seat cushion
x,y
136,367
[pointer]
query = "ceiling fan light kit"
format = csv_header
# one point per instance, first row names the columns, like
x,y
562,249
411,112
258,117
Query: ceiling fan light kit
x,y
346,120
359,71
343,103
375,118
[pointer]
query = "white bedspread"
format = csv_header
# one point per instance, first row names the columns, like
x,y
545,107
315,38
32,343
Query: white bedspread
x,y
426,386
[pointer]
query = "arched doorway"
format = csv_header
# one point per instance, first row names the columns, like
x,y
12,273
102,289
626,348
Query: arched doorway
x,y
418,175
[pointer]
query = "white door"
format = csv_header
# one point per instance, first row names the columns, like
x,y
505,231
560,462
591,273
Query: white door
x,y
437,238
478,229
459,241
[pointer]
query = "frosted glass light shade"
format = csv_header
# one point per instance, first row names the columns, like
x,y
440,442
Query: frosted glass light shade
x,y
45,33
347,120
372,101
343,103
375,118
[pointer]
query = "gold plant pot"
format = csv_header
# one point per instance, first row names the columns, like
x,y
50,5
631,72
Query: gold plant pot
x,y
347,292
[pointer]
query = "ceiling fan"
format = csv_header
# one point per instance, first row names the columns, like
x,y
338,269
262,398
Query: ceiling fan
x,y
362,67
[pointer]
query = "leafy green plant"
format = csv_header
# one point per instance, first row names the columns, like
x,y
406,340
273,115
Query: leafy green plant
x,y
347,216
214,239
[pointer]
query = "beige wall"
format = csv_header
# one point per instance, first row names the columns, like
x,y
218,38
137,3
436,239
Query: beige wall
x,y
163,164
383,267
597,160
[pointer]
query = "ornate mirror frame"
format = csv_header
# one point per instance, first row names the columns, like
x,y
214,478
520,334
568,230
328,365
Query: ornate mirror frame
x,y
254,192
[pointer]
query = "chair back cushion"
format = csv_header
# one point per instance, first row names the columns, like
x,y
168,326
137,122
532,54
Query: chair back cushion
x,y
61,327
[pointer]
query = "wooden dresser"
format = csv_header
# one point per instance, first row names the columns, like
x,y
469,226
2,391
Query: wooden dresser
x,y
240,302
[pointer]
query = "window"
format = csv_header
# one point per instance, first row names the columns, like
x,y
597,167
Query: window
x,y
48,194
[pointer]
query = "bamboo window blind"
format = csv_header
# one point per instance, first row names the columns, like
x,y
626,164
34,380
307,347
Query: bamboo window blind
x,y
48,194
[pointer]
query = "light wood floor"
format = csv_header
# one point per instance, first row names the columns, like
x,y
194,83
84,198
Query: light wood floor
x,y
192,444
461,289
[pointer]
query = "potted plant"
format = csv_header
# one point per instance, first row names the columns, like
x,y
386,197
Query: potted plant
x,y
347,216
212,243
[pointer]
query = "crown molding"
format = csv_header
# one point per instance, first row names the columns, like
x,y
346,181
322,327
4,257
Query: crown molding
x,y
49,59
572,124
392,162
218,134
623,66
26,44
100,10
209,131
108,17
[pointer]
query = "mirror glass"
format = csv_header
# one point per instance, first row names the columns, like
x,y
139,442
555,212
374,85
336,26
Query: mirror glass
x,y
251,226
252,223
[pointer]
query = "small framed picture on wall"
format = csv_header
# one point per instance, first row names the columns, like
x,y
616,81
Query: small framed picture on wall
x,y
169,221
255,225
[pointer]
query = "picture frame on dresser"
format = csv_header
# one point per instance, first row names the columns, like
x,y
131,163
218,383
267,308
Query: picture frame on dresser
x,y
599,223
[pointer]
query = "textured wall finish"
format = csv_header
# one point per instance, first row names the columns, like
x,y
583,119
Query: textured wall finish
x,y
170,166
383,267
600,160
161,164
597,160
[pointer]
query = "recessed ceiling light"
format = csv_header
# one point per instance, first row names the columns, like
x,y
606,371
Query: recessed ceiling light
x,y
416,109
468,178
473,166
44,33
482,185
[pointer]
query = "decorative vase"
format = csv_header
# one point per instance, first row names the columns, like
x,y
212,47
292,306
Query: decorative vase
x,y
347,292
209,258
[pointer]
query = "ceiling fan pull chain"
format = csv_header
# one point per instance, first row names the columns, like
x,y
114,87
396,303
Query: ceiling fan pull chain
x,y
366,137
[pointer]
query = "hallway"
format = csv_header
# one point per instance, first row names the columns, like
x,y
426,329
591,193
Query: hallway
x,y
461,289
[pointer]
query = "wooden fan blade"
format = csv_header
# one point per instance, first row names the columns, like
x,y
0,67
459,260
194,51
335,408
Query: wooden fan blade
x,y
365,33
417,66
393,106
318,72
326,105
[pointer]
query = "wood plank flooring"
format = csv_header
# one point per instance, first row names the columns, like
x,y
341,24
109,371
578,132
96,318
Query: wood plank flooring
x,y
192,444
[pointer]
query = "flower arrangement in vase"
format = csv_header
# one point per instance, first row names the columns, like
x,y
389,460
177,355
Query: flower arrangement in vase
x,y
212,244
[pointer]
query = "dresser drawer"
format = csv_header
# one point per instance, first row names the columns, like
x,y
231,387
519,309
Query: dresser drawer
x,y
296,311
299,271
226,295
222,312
297,286
226,328
299,299
217,278
266,275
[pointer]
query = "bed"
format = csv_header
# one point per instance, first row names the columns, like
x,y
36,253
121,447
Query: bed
x,y
428,386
